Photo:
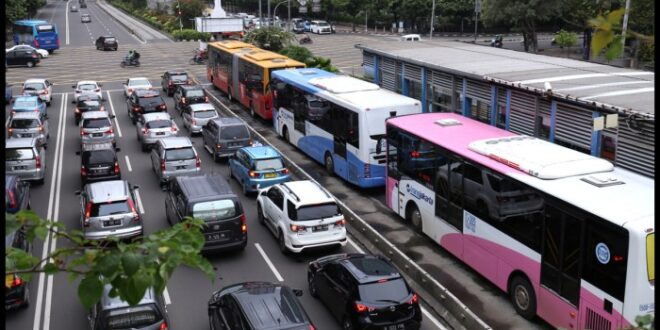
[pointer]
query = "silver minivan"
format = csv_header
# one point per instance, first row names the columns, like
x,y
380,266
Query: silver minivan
x,y
154,126
174,156
28,124
25,158
195,116
96,127
109,208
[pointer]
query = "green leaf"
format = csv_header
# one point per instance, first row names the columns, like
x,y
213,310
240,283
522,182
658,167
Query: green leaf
x,y
108,265
130,262
615,49
90,290
50,268
133,290
41,232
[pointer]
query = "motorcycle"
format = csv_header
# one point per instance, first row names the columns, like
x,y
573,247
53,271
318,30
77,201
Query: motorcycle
x,y
134,62
196,60
496,42
305,40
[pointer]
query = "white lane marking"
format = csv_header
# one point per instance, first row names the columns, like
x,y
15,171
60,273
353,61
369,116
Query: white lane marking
x,y
66,15
112,108
270,264
128,164
139,201
263,254
49,216
166,295
433,320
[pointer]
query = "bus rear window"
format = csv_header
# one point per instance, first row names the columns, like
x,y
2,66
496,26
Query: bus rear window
x,y
45,28
650,257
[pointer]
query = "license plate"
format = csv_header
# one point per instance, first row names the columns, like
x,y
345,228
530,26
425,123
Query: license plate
x,y
216,237
181,167
160,133
269,175
97,134
47,41
8,280
114,222
20,167
320,228
394,327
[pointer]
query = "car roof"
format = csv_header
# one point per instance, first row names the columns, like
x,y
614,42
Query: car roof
x,y
26,115
368,268
156,116
95,114
261,152
108,303
177,71
201,106
307,192
263,305
228,121
35,80
20,142
98,146
86,82
26,98
137,78
175,142
108,37
188,87
146,92
108,190
204,186
88,96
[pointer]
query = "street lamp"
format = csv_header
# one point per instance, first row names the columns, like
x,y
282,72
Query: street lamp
x,y
275,10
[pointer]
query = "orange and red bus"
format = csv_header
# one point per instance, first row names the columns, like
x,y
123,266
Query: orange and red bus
x,y
243,72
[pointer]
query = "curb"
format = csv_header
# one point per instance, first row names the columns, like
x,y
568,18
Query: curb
x,y
461,315
120,21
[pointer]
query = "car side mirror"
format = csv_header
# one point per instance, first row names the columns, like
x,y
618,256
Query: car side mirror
x,y
135,187
77,192
117,149
73,86
297,292
112,116
78,152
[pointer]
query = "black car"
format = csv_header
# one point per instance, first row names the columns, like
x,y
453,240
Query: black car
x,y
87,102
107,42
113,313
22,57
83,5
185,95
17,194
257,306
98,162
144,101
364,292
16,289
172,79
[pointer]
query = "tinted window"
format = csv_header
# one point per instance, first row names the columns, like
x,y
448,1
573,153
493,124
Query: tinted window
x,y
215,210
194,92
234,132
179,154
606,257
109,39
25,104
87,87
98,157
158,124
268,164
25,123
153,100
34,86
109,208
19,154
89,104
205,114
137,82
46,28
313,212
132,318
179,77
96,123
389,290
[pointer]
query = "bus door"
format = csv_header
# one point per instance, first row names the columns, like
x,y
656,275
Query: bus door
x,y
561,256
235,80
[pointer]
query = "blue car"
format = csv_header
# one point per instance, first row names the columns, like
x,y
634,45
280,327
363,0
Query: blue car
x,y
8,93
257,167
307,26
26,103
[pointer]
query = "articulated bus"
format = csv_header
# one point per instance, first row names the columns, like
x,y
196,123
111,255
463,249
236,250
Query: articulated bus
x,y
243,71
36,33
337,120
568,236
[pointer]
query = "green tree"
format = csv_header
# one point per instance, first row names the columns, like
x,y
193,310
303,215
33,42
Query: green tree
x,y
271,38
417,14
302,54
523,14
457,12
14,10
566,39
130,268
189,10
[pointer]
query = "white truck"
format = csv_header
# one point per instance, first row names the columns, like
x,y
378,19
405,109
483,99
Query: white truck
x,y
218,23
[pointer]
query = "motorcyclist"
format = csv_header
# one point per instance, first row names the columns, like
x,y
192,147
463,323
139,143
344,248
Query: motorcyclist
x,y
132,56
497,42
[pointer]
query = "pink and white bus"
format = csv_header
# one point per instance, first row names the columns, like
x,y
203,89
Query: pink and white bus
x,y
567,235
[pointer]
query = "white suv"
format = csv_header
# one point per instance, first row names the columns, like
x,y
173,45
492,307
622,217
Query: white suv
x,y
39,87
302,215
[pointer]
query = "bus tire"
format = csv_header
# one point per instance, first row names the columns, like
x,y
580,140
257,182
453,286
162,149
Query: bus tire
x,y
252,112
523,297
414,217
285,134
329,164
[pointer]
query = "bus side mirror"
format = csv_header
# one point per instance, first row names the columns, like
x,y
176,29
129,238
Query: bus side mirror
x,y
379,144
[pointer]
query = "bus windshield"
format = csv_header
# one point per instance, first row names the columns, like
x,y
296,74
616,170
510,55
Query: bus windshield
x,y
45,28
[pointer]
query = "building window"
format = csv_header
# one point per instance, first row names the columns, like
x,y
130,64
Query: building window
x,y
607,147
440,99
501,116
414,89
480,110
573,146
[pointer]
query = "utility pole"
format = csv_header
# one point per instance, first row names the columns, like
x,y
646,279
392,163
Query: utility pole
x,y
178,9
268,12
624,28
477,10
288,25
261,20
432,17
366,16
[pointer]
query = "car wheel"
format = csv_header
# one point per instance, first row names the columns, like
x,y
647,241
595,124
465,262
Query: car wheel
x,y
245,189
167,215
415,218
97,47
347,323
40,181
260,215
329,164
26,301
523,297
144,147
41,56
281,243
311,283
30,64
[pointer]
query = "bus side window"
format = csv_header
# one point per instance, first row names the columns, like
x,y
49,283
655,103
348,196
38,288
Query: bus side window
x,y
393,149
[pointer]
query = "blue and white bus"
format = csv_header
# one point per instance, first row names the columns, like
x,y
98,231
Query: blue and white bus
x,y
337,120
36,33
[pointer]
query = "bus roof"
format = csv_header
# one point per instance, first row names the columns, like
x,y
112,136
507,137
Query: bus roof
x,y
231,44
301,77
617,195
268,59
30,22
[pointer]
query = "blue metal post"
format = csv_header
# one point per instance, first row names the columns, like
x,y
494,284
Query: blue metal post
x,y
377,69
493,105
467,102
595,137
404,85
507,120
425,106
553,120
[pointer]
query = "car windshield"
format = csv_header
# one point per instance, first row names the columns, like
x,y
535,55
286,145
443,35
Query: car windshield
x,y
98,157
132,318
96,123
25,104
180,154
215,210
315,212
195,93
159,123
151,100
139,82
109,208
19,154
34,86
87,87
268,164
234,132
209,113
384,291
179,77
109,39
24,123
324,24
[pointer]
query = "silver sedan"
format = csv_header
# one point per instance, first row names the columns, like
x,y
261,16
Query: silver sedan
x,y
154,126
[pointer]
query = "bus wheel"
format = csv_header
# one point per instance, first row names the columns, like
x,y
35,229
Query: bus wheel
x,y
229,97
252,112
329,164
285,134
415,218
523,297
